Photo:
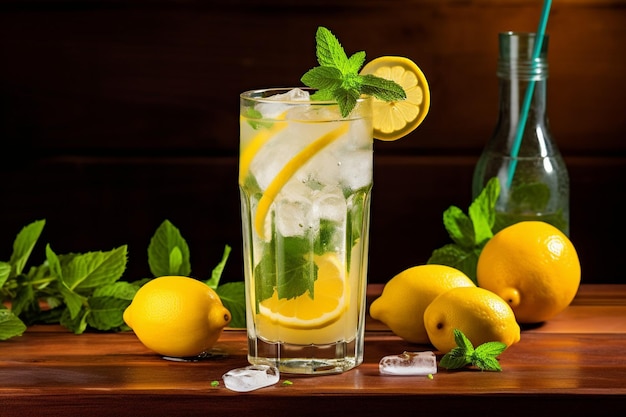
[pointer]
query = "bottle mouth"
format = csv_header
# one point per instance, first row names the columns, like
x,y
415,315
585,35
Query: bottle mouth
x,y
515,58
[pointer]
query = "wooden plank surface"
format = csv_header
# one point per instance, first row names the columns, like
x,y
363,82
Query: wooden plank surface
x,y
574,363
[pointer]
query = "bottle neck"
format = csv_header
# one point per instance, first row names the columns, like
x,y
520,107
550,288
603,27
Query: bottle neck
x,y
512,92
520,68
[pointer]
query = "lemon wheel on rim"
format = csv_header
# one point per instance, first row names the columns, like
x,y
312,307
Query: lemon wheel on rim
x,y
396,119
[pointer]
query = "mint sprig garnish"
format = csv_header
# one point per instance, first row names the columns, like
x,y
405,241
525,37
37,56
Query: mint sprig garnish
x,y
484,357
337,77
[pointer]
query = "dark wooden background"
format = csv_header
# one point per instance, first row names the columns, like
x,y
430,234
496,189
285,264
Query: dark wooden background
x,y
116,115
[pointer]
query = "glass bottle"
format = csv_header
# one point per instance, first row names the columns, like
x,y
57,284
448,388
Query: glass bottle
x,y
534,183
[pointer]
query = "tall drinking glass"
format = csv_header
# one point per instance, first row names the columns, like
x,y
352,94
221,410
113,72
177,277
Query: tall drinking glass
x,y
305,178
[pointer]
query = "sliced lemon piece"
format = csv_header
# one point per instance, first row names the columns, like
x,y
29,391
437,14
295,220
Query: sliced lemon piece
x,y
290,168
303,312
395,119
256,143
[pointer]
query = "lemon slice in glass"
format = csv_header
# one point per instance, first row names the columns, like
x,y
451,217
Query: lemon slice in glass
x,y
329,301
396,119
290,168
256,143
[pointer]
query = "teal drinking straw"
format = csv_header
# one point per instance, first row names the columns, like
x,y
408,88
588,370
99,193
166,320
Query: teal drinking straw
x,y
541,30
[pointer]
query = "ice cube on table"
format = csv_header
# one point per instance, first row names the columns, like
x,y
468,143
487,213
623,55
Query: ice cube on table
x,y
250,378
409,363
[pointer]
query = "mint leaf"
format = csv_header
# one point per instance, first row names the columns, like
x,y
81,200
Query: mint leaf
x,y
122,290
176,260
484,357
167,239
346,98
79,274
323,78
323,95
72,300
54,263
487,364
337,78
232,295
463,342
107,304
459,257
454,359
482,211
77,324
291,274
5,272
106,313
470,234
10,324
459,227
329,51
382,88
491,349
25,302
216,274
298,272
355,62
93,269
252,114
327,240
23,245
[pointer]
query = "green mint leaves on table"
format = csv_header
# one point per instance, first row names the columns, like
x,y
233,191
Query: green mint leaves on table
x,y
484,357
337,78
83,290
468,233
80,290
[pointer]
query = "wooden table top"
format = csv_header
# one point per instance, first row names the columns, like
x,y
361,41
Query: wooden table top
x,y
575,363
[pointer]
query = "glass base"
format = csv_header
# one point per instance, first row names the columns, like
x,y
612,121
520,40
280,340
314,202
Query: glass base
x,y
331,358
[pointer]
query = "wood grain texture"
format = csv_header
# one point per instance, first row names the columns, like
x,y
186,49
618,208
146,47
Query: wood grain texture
x,y
574,362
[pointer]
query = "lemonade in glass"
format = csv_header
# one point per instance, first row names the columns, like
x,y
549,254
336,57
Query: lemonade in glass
x,y
305,178
305,182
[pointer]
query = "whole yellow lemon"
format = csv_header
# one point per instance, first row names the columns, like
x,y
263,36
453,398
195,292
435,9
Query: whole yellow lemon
x,y
534,267
480,314
177,316
404,298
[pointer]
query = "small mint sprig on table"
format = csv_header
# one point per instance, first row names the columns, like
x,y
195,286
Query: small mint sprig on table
x,y
484,357
337,78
